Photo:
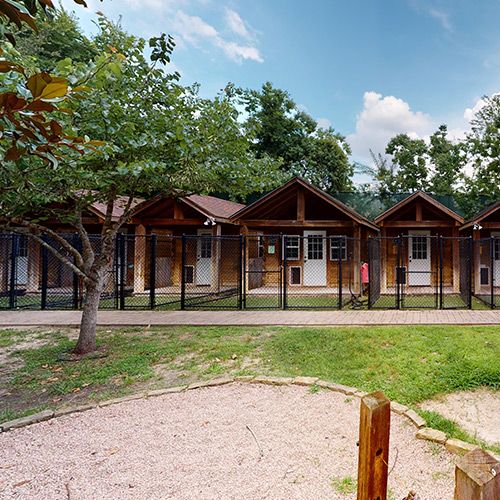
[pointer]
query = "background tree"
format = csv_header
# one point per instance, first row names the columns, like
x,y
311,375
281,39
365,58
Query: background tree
x,y
409,157
483,155
284,132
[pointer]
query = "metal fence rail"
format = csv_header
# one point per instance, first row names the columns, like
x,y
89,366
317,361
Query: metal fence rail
x,y
258,271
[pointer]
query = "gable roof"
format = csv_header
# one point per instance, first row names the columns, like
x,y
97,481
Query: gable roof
x,y
213,206
485,212
99,208
208,206
425,197
313,189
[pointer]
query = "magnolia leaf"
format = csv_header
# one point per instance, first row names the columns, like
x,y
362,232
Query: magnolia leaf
x,y
41,106
13,154
53,90
6,66
37,83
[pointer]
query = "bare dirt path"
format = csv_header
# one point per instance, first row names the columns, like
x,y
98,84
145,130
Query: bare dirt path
x,y
477,412
204,444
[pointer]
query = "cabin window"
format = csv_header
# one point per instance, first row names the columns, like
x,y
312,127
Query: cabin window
x,y
419,247
292,247
260,249
338,248
295,275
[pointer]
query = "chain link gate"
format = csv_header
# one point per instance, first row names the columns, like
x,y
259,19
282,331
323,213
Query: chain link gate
x,y
262,262
419,271
486,264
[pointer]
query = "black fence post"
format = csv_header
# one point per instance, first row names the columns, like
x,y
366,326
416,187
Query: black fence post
x,y
283,274
13,270
340,250
440,270
240,274
370,272
470,260
183,272
244,271
122,269
76,280
492,274
45,275
152,271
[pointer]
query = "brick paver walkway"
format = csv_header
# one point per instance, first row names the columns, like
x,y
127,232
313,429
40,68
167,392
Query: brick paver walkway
x,y
142,318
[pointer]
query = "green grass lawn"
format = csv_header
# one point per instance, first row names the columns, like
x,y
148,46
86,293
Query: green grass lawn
x,y
409,363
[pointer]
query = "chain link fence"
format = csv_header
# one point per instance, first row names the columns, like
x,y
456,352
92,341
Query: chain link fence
x,y
258,271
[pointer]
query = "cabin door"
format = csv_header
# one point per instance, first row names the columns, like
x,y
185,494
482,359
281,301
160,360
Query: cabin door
x,y
314,258
419,258
496,259
204,257
21,276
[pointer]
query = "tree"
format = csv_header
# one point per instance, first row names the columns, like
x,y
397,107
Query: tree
x,y
447,160
483,152
409,156
284,132
55,39
153,136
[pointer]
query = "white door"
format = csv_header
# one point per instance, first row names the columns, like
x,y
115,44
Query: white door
x,y
314,258
21,277
496,259
204,258
419,258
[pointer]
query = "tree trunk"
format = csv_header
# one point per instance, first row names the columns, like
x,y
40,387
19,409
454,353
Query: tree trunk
x,y
87,336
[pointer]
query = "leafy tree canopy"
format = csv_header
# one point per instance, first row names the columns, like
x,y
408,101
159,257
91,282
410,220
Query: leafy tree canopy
x,y
285,132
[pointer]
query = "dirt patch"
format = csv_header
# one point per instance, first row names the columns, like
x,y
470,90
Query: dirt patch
x,y
198,444
477,412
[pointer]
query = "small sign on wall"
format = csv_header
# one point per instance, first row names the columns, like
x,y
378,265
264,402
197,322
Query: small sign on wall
x,y
271,249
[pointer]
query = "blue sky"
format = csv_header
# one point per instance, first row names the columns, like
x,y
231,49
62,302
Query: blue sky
x,y
370,68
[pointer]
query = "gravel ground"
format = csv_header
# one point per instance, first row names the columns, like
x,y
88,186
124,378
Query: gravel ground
x,y
196,445
478,412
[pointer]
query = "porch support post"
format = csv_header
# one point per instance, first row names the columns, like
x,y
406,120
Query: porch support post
x,y
476,252
33,281
356,258
140,259
216,257
245,233
456,261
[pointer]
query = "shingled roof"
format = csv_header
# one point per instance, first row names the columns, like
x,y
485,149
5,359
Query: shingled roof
x,y
212,206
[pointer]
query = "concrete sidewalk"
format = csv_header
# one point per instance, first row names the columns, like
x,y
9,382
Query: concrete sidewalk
x,y
230,318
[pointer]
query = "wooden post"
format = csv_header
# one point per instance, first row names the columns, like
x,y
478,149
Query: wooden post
x,y
140,259
455,248
477,477
301,205
216,279
374,429
476,259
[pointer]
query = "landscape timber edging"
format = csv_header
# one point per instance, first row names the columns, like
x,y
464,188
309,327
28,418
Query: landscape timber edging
x,y
454,446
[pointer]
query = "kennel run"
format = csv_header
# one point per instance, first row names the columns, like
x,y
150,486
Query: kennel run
x,y
308,271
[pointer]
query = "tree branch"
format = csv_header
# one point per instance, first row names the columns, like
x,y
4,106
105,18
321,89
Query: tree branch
x,y
35,230
50,248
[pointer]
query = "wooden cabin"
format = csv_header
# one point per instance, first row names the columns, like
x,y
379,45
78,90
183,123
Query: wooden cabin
x,y
316,232
419,219
484,228
209,262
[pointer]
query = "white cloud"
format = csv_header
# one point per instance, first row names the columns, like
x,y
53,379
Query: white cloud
x,y
381,119
442,17
236,24
195,30
324,123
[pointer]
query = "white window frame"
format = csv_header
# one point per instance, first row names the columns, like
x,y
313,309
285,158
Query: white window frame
x,y
292,247
343,246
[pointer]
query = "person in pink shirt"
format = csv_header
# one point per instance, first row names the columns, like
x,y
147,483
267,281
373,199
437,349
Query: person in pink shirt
x,y
365,279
